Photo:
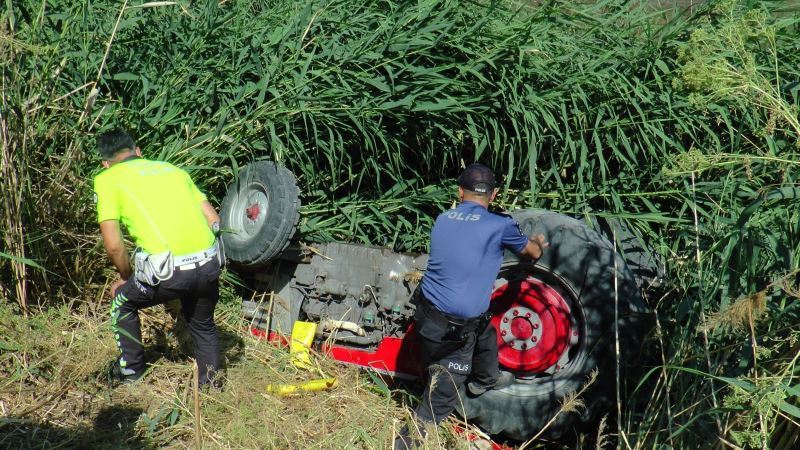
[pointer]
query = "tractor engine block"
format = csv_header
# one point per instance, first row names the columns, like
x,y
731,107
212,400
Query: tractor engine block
x,y
358,294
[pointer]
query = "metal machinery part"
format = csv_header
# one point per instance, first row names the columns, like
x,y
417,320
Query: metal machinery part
x,y
370,287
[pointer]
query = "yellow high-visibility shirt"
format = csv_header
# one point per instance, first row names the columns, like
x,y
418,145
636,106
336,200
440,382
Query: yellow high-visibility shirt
x,y
157,202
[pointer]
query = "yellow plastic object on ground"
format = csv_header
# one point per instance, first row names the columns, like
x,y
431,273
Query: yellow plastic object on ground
x,y
300,351
299,348
307,386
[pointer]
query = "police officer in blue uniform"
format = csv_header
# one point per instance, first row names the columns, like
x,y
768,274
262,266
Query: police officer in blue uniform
x,y
458,342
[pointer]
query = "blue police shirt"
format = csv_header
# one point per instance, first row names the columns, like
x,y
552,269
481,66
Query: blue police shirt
x,y
466,253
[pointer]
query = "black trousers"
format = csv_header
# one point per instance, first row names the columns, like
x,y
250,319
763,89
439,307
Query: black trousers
x,y
449,364
452,353
198,291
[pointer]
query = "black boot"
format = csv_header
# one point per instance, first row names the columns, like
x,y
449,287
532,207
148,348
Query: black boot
x,y
406,441
116,374
505,379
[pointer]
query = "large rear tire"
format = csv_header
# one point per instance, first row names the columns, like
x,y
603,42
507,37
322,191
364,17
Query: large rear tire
x,y
555,322
259,213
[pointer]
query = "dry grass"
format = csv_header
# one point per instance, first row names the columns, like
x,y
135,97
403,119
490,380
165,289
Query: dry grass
x,y
740,314
53,392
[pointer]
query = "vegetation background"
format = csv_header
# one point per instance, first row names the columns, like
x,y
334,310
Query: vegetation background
x,y
681,122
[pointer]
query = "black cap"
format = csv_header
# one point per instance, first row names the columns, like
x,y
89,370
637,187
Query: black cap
x,y
477,178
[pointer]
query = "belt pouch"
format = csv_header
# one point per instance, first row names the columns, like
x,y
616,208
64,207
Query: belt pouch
x,y
153,268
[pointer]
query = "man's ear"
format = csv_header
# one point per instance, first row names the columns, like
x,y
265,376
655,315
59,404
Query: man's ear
x,y
105,164
138,151
461,193
494,194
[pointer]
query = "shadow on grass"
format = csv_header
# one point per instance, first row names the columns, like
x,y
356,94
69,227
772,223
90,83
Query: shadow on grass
x,y
114,427
231,345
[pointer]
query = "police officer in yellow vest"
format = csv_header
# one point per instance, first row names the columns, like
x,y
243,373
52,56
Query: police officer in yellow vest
x,y
174,227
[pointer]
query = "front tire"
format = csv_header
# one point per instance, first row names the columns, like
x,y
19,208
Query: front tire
x,y
259,213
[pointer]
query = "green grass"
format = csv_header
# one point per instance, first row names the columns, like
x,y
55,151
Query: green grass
x,y
685,126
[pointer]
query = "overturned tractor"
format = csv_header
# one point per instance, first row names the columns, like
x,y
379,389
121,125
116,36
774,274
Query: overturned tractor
x,y
557,320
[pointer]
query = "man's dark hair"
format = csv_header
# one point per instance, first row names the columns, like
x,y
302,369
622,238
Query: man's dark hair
x,y
115,141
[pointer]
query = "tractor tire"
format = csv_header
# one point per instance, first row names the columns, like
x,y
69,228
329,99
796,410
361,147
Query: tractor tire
x,y
647,266
259,214
568,297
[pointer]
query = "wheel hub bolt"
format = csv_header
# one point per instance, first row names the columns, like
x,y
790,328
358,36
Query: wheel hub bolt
x,y
516,313
524,346
503,333
534,339
535,326
527,314
505,319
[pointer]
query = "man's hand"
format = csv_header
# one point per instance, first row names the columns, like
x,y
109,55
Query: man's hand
x,y
114,286
535,247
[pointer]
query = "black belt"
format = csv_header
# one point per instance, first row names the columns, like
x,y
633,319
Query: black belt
x,y
455,320
440,325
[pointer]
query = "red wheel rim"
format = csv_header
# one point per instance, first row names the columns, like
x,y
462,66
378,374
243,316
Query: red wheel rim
x,y
534,326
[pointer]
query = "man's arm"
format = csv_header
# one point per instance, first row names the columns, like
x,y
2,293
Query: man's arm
x,y
115,247
211,214
535,247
